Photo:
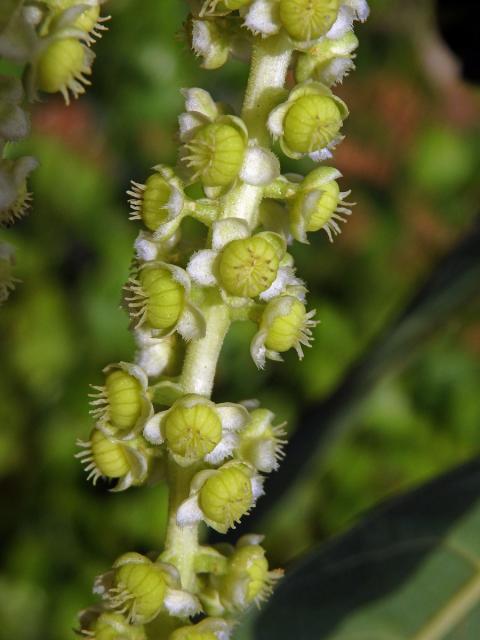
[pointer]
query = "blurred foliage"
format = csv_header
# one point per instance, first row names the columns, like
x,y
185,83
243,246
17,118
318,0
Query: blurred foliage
x,y
410,157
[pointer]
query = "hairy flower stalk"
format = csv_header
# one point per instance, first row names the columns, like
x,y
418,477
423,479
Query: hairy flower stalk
x,y
156,421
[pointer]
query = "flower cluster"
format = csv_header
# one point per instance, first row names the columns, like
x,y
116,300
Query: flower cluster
x,y
52,39
155,420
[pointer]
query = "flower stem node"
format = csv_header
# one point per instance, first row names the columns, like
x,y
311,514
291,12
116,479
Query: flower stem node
x,y
196,429
207,629
121,406
319,204
63,66
285,324
107,457
309,122
158,297
261,444
221,497
159,200
140,589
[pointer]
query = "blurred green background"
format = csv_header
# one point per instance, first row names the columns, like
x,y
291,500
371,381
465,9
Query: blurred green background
x,y
410,157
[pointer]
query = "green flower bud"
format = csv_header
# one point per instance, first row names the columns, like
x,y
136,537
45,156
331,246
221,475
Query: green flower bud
x,y
284,331
308,19
139,588
121,404
165,297
103,457
325,206
250,564
285,324
113,626
197,429
311,123
249,266
248,578
318,204
158,200
211,42
192,432
123,392
98,625
127,461
154,200
328,61
227,495
88,20
216,154
157,299
62,66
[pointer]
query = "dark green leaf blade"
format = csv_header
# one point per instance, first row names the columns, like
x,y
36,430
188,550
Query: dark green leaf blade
x,y
410,571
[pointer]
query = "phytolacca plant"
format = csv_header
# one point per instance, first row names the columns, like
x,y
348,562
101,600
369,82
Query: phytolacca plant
x,y
152,425
50,41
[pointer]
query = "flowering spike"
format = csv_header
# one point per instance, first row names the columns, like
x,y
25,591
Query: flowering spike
x,y
155,420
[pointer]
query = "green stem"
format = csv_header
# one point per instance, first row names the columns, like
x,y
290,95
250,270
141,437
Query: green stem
x,y
201,358
181,543
270,62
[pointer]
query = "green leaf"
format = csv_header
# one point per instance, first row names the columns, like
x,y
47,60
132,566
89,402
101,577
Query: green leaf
x,y
410,571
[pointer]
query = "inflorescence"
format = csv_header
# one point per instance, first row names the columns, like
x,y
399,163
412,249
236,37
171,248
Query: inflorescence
x,y
154,418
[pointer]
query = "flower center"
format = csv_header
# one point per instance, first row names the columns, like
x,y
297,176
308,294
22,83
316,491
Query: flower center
x,y
248,267
308,19
216,154
311,123
192,432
